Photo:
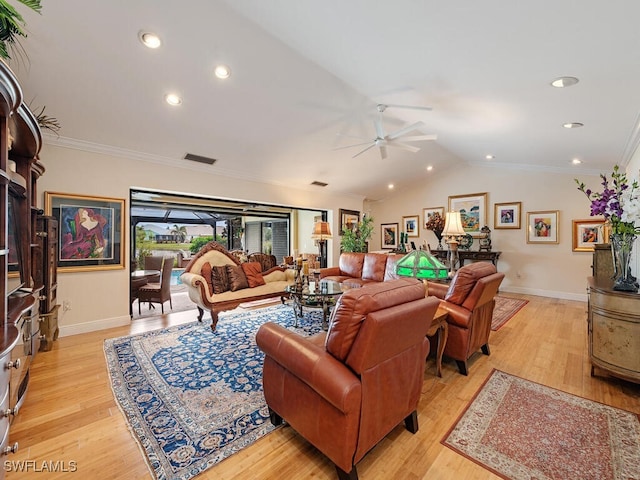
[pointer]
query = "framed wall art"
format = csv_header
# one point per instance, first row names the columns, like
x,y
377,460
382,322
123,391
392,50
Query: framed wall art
x,y
90,231
542,227
428,212
507,215
348,219
411,225
389,233
587,233
473,211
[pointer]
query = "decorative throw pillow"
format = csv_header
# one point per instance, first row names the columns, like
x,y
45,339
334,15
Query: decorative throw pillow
x,y
252,272
237,278
220,279
205,271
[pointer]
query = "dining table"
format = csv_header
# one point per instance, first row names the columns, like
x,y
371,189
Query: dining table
x,y
138,279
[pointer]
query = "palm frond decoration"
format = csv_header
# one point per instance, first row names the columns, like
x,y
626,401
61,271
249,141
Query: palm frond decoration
x,y
12,25
46,122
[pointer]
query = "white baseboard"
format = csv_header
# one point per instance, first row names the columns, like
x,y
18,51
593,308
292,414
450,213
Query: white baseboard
x,y
103,324
579,297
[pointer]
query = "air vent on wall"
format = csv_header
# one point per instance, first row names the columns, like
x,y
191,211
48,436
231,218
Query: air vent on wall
x,y
200,159
319,184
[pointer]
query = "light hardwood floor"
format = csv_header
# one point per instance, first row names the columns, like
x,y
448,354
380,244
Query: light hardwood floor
x,y
70,413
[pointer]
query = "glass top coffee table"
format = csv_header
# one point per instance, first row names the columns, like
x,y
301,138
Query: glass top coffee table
x,y
319,295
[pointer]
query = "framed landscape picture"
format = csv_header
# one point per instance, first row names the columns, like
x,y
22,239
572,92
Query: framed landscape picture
x,y
507,215
89,231
348,219
411,225
542,227
587,233
473,211
389,233
427,213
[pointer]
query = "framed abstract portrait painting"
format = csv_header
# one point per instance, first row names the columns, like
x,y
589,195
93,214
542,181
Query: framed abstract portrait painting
x,y
542,227
89,231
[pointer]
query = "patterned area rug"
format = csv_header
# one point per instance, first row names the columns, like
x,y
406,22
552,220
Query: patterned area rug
x,y
523,430
505,309
193,397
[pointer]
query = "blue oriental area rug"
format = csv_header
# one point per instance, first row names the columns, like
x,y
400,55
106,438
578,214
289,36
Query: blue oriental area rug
x,y
191,396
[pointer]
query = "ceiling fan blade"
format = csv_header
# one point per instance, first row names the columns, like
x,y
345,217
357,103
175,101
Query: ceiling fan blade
x,y
378,124
353,145
413,107
403,146
383,152
402,131
417,138
362,151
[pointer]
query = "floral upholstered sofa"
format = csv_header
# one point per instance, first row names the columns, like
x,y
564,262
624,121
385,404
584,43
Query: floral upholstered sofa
x,y
216,281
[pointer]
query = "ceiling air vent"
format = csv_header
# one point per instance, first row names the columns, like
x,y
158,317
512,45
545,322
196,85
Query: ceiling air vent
x,y
319,184
200,159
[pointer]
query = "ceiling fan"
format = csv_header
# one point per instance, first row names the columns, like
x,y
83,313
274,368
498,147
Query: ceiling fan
x,y
395,139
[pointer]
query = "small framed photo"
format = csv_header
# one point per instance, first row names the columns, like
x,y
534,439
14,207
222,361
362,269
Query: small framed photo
x,y
473,211
90,231
588,233
411,225
389,233
348,219
427,213
507,215
542,227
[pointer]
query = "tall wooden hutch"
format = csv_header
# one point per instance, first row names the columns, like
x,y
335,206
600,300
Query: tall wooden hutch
x,y
21,283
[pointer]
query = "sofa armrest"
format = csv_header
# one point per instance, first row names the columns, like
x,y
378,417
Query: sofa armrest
x,y
312,364
191,279
329,271
458,316
437,289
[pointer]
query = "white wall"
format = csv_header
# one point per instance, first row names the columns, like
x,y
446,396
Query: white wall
x,y
101,299
539,269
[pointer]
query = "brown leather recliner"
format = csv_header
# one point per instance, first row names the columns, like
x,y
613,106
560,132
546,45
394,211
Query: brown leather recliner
x,y
469,301
345,392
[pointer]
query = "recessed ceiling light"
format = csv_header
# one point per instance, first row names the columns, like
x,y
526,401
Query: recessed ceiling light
x,y
489,157
391,186
173,99
576,161
562,82
222,71
429,168
149,39
573,125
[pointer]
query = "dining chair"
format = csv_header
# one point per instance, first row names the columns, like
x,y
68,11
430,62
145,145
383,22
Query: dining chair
x,y
154,292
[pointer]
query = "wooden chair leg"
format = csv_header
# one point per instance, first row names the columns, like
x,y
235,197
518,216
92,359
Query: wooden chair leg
x,y
462,366
274,418
342,475
411,422
200,313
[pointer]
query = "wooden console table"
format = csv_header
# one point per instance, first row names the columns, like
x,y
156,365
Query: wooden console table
x,y
614,330
469,255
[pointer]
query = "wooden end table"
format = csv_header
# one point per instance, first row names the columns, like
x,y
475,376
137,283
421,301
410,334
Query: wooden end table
x,y
439,327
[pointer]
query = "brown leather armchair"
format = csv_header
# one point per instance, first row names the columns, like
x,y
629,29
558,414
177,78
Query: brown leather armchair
x,y
344,392
469,301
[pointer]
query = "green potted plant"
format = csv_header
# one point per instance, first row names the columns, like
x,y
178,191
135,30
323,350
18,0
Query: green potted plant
x,y
12,25
356,239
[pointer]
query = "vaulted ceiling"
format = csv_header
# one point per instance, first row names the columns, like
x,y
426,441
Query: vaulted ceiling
x,y
306,76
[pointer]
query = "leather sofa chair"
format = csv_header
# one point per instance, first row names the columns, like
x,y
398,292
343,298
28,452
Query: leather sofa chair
x,y
469,301
359,269
345,390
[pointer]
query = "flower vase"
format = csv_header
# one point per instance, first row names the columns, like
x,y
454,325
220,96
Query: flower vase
x,y
439,237
621,246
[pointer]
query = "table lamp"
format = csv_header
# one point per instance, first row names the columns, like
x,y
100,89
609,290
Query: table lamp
x,y
321,232
452,231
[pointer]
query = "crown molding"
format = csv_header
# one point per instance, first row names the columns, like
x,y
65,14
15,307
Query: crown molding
x,y
82,145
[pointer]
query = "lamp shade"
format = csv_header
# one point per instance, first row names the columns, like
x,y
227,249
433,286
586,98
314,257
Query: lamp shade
x,y
421,264
453,224
321,231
